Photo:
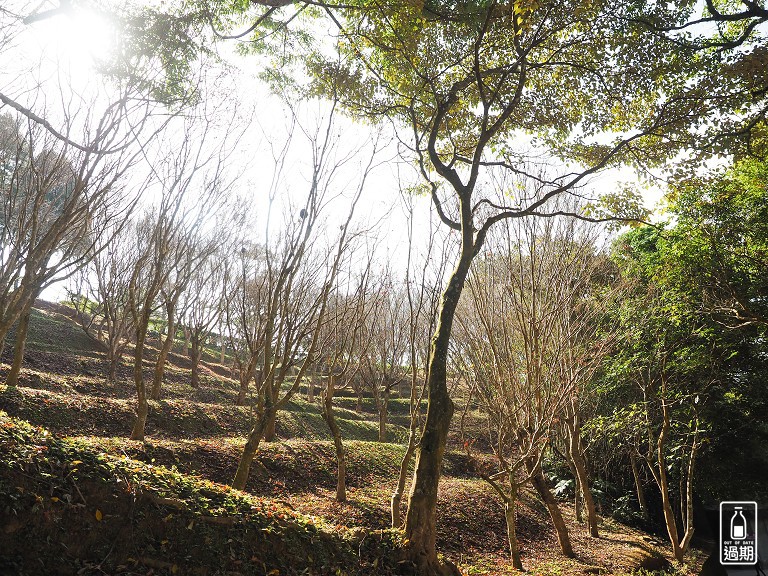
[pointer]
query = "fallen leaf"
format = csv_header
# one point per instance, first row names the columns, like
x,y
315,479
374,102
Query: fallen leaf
x,y
99,515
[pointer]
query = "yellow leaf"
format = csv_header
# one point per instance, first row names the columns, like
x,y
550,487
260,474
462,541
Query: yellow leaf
x,y
99,515
174,569
274,572
75,462
54,499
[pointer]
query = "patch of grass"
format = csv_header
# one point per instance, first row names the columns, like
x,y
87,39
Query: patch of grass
x,y
50,331
70,412
304,419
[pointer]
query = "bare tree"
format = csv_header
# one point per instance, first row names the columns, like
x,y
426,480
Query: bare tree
x,y
99,293
296,280
341,345
529,342
205,306
59,200
671,428
384,365
175,287
191,181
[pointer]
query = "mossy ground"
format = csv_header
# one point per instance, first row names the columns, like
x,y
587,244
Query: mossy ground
x,y
164,506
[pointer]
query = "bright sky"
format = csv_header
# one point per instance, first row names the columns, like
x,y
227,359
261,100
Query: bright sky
x,y
63,49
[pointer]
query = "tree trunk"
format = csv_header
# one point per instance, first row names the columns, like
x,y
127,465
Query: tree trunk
x,y
383,413
142,408
186,340
397,495
18,348
540,484
586,494
8,320
580,465
270,427
242,392
249,452
223,357
420,526
330,419
162,356
577,502
359,406
112,370
639,487
311,388
661,477
509,515
688,514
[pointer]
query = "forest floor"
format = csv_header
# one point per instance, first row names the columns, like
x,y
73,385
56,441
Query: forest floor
x,y
194,437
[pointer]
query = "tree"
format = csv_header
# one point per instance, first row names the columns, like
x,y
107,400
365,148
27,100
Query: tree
x,y
468,82
193,170
721,239
295,277
423,295
386,327
100,293
464,84
528,341
730,90
58,202
671,357
341,346
175,287
205,294
716,256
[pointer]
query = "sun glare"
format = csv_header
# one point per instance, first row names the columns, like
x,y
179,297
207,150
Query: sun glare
x,y
76,39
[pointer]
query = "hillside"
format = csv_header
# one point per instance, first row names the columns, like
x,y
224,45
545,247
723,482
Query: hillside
x,y
78,497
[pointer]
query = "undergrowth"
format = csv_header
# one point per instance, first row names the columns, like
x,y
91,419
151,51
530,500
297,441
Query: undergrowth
x,y
67,508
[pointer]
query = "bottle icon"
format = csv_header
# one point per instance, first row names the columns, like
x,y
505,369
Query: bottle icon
x,y
738,524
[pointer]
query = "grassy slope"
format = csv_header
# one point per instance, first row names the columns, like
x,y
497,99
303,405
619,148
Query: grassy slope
x,y
199,432
67,508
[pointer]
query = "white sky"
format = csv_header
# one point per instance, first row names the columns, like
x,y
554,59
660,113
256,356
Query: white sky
x,y
66,45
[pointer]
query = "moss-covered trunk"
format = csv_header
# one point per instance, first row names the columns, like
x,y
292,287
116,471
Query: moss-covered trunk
x,y
162,356
18,348
420,525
